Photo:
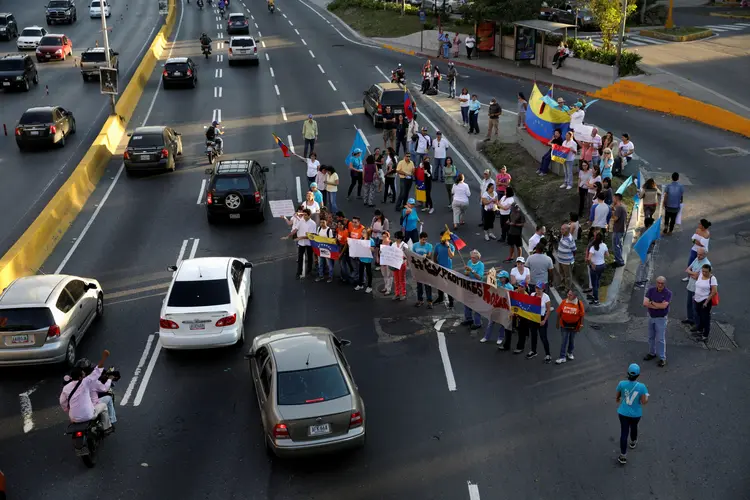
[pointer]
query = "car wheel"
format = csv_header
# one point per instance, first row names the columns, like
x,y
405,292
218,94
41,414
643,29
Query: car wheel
x,y
364,106
374,120
261,216
73,127
233,201
230,62
49,23
70,354
99,306
240,340
129,172
26,85
36,79
269,448
21,147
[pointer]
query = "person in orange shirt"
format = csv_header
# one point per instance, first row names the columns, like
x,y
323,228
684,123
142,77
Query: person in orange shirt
x,y
355,228
342,235
570,315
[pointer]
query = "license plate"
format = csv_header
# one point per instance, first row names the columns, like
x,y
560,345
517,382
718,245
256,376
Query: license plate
x,y
197,326
319,430
234,216
48,55
19,339
6,84
34,132
145,157
397,111
177,73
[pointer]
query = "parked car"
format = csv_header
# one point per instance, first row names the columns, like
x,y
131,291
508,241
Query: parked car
x,y
243,49
236,190
179,71
308,400
44,317
575,15
61,11
53,47
44,126
380,95
156,147
449,6
94,58
238,23
206,303
96,7
30,37
8,26
18,71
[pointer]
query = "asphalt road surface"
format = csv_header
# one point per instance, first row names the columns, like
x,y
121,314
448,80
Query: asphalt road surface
x,y
34,177
190,427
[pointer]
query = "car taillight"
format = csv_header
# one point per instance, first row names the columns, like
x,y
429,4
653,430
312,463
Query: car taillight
x,y
164,153
230,51
165,73
126,155
245,22
257,197
168,324
190,72
227,320
18,131
255,49
355,420
209,198
79,434
380,108
280,431
54,331
52,129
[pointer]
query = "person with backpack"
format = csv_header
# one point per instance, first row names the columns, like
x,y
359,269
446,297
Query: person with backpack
x,y
631,397
422,144
570,314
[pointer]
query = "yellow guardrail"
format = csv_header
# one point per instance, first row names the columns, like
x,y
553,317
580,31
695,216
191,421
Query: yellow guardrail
x,y
36,244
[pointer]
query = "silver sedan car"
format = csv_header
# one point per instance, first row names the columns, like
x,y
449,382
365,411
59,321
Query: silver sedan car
x,y
43,318
308,400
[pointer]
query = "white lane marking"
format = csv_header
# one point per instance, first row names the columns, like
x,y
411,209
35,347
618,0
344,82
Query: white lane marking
x,y
147,375
139,367
283,113
267,58
473,491
726,27
284,16
276,87
181,255
271,69
364,139
337,30
446,362
252,17
332,85
218,73
219,45
259,34
304,42
194,249
296,31
264,45
256,25
321,69
299,191
291,23
291,144
218,26
311,54
455,151
27,412
216,115
217,92
221,35
439,324
349,111
200,193
119,172
218,57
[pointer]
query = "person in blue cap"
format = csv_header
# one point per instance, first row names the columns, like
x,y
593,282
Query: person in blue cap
x,y
410,221
355,170
631,396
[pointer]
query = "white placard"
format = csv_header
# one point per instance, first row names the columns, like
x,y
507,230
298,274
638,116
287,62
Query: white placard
x,y
281,208
582,133
359,248
391,256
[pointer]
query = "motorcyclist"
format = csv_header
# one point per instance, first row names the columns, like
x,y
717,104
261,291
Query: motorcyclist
x,y
205,42
212,134
222,6
270,5
200,3
75,398
100,390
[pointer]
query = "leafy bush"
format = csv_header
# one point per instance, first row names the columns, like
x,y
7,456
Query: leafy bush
x,y
584,49
372,5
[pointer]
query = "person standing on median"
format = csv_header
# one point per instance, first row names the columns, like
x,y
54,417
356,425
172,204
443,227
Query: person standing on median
x,y
469,42
523,105
440,152
693,271
673,197
540,329
464,100
310,134
619,217
657,301
494,113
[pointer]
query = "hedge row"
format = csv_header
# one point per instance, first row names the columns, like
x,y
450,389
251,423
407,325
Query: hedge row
x,y
585,49
373,5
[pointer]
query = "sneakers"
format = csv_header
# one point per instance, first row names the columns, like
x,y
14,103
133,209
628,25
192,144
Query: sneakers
x,y
548,359
358,288
622,459
395,297
633,444
517,351
500,341
492,235
662,363
685,279
466,322
319,278
486,237
569,187
570,356
329,280
368,289
563,185
560,361
483,340
432,210
649,357
530,355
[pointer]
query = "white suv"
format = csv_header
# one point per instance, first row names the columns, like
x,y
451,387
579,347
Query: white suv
x,y
243,48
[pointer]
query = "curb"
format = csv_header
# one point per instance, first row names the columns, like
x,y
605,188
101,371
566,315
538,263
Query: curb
x,y
729,16
675,38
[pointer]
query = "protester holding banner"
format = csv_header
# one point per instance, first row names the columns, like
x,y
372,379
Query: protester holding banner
x,y
379,225
325,263
345,267
423,249
544,165
444,253
473,269
365,265
540,329
521,324
570,315
503,281
304,248
399,275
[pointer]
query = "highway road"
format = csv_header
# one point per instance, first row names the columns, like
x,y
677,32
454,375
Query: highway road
x,y
188,424
34,177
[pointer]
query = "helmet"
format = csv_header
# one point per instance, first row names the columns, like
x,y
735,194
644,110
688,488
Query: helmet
x,y
203,34
214,123
634,370
399,65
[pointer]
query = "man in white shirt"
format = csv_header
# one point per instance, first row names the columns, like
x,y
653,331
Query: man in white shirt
x,y
75,398
423,146
304,247
534,240
440,152
469,42
601,213
486,181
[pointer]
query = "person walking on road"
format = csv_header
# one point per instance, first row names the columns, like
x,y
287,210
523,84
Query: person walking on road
x,y
452,80
369,175
405,171
494,113
310,134
673,197
424,249
570,314
700,240
460,195
657,302
632,396
444,253
355,170
399,275
389,128
706,296
449,174
619,216
566,249
474,106
503,281
389,166
440,152
423,145
402,127
693,271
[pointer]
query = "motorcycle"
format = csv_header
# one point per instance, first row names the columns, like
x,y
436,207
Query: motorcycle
x,y
221,13
396,79
271,8
206,49
200,4
212,152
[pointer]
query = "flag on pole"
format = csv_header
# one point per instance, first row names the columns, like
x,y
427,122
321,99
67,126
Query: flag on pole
x,y
544,104
638,184
358,144
284,148
526,306
647,238
409,106
625,185
559,153
457,242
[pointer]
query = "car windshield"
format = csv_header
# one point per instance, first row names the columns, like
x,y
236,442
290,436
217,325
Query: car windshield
x,y
176,67
3,21
232,184
199,293
98,56
51,41
96,4
31,32
58,4
311,386
243,42
25,319
146,141
11,64
31,117
392,98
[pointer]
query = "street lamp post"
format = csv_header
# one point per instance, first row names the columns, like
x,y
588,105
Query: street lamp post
x,y
106,48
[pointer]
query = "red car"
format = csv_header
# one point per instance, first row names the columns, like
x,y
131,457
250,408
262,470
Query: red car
x,y
54,48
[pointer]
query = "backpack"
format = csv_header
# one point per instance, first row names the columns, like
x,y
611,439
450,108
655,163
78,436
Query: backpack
x,y
431,91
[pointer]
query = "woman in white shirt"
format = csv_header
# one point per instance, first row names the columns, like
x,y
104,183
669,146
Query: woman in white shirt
x,y
700,239
706,287
461,193
570,160
520,272
595,258
464,99
312,167
584,176
313,206
411,132
504,205
489,204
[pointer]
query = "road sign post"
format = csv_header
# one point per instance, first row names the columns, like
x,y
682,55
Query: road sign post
x,y
422,19
108,81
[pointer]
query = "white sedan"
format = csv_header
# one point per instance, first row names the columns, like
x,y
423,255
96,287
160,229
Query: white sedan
x,y
29,38
243,48
95,9
206,303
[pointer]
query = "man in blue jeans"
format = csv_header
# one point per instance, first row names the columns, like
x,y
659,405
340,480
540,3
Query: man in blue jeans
x,y
619,218
673,197
693,271
424,249
657,301
474,269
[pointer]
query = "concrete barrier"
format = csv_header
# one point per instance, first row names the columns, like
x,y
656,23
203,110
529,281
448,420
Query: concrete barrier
x,y
36,244
677,38
644,96
591,73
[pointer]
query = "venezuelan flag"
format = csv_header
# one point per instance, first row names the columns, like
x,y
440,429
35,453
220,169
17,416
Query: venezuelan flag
x,y
284,148
327,248
559,153
409,106
542,120
526,306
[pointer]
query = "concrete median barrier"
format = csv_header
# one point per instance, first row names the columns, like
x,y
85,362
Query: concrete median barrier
x,y
36,244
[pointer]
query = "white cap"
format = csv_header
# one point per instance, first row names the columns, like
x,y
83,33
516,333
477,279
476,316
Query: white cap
x,y
521,259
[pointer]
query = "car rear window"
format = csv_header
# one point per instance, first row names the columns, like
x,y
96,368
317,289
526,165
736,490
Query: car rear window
x,y
243,42
176,67
25,319
31,117
31,32
11,64
199,293
51,41
311,386
146,141
392,98
93,57
239,183
236,17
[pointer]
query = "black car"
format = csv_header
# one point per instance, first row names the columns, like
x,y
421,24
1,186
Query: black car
x,y
380,95
8,26
18,71
179,71
238,23
61,11
152,148
46,126
237,190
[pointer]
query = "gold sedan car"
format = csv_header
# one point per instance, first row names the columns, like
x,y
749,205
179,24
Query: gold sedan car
x,y
308,400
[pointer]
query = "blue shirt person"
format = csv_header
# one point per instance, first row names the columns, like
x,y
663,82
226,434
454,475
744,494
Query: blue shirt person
x,y
423,249
410,221
631,396
443,254
474,270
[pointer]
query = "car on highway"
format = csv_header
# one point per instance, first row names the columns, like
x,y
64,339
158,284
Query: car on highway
x,y
308,400
96,6
54,47
380,95
30,37
238,23
8,26
568,13
61,11
236,190
155,147
179,71
44,126
206,303
94,58
18,71
242,49
43,318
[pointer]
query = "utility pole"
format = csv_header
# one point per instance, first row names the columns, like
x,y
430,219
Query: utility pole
x,y
622,34
669,24
106,46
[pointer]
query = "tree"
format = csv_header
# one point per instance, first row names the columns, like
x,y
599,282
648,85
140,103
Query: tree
x,y
608,15
505,11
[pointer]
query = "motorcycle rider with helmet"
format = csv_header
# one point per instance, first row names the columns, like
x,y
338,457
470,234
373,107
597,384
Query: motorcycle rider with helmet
x,y
205,42
270,5
398,75
75,398
222,6
212,134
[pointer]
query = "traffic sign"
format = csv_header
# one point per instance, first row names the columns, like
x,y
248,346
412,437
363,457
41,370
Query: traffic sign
x,y
108,81
422,16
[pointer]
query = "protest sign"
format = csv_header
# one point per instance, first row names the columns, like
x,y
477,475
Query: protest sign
x,y
282,208
391,256
582,133
359,248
